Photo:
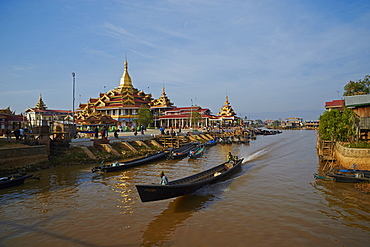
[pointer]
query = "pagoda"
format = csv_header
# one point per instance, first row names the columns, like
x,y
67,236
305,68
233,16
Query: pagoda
x,y
227,110
227,113
40,105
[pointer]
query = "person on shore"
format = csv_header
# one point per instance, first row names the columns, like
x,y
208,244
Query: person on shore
x,y
103,132
164,179
17,133
116,133
96,132
8,135
21,133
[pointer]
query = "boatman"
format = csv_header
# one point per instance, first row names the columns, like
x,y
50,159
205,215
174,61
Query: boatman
x,y
164,180
230,158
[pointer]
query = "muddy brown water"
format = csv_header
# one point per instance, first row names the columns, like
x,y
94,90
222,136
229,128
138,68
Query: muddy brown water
x,y
269,203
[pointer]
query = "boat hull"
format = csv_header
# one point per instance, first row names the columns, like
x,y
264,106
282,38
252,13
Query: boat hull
x,y
349,178
132,163
186,185
14,182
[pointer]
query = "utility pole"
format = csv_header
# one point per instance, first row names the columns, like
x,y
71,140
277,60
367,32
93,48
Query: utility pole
x,y
73,106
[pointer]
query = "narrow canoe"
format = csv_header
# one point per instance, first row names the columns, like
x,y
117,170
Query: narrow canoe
x,y
131,163
182,151
348,178
189,184
13,180
196,153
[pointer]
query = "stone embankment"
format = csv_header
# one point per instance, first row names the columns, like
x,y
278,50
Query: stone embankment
x,y
343,156
89,150
348,156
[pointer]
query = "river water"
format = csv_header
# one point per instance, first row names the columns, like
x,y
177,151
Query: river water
x,y
271,202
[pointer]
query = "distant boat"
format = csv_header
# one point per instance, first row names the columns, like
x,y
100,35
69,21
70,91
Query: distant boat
x,y
189,184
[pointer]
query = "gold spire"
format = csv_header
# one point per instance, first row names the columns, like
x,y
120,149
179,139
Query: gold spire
x,y
125,79
226,109
40,104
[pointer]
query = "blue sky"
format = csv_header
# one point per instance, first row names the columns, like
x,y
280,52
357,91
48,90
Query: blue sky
x,y
282,57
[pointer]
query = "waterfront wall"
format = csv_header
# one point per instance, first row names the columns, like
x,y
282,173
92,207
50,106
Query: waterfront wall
x,y
345,156
20,156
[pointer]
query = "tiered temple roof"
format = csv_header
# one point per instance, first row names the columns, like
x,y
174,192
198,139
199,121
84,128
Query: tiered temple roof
x,y
162,102
227,110
40,105
124,96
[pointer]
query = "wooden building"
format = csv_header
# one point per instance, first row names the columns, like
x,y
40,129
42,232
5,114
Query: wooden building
x,y
41,116
360,104
9,120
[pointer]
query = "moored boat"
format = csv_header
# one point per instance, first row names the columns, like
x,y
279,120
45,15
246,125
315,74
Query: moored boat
x,y
131,163
182,151
211,143
13,180
354,170
349,178
189,184
196,153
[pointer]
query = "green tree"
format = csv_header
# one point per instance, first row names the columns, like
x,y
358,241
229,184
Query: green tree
x,y
144,116
195,118
337,125
358,87
276,124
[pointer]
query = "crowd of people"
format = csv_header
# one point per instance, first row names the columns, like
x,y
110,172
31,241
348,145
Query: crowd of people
x,y
19,134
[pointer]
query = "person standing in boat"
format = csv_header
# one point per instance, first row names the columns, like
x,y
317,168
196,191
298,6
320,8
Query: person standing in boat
x,y
164,179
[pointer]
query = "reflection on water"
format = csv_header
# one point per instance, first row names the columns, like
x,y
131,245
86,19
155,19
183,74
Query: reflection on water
x,y
159,229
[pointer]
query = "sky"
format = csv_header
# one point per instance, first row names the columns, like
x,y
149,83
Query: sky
x,y
272,59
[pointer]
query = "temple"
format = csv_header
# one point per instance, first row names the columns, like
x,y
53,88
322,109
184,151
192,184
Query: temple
x,y
123,102
120,105
41,116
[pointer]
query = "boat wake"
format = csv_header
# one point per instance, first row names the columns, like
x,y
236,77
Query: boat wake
x,y
254,156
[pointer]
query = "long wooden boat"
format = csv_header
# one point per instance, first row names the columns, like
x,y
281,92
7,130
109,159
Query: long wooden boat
x,y
349,178
366,173
189,184
196,153
182,151
13,180
131,163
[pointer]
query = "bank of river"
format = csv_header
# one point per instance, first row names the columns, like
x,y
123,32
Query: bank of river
x,y
269,203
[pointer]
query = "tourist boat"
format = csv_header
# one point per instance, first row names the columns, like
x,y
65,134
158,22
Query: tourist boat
x,y
13,180
189,184
131,163
196,153
349,178
182,151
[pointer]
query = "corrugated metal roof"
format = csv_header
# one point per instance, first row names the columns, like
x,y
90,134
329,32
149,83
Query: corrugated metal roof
x,y
357,100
